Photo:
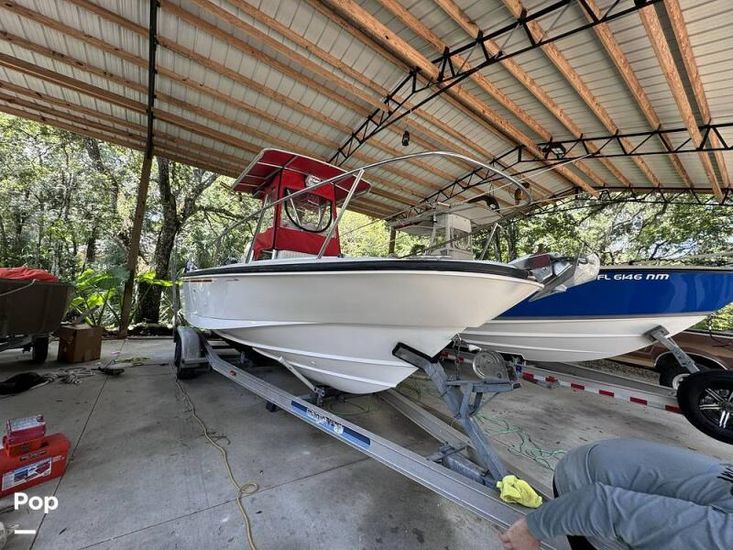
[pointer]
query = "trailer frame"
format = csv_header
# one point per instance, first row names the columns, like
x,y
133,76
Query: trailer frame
x,y
195,352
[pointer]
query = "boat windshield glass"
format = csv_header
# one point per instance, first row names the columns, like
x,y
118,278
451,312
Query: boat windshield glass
x,y
461,239
308,211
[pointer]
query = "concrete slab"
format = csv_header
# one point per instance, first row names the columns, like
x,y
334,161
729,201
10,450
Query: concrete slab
x,y
143,476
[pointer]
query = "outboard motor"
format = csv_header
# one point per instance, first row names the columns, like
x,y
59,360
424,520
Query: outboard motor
x,y
558,273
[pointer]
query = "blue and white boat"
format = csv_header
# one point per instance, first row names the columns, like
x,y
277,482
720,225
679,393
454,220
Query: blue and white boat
x,y
609,316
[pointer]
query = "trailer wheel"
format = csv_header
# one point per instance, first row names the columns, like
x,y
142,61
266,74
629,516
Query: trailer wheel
x,y
182,373
706,400
40,350
672,375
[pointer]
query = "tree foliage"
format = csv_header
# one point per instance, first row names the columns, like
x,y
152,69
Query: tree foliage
x,y
66,204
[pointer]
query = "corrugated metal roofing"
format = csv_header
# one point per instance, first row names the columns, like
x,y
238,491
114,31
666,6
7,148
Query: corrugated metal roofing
x,y
234,76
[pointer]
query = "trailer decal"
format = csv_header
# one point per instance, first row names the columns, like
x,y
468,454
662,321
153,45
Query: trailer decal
x,y
326,423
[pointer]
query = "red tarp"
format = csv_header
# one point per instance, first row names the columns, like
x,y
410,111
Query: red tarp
x,y
27,274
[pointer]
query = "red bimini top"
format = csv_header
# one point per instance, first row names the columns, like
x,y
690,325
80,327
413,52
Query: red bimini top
x,y
271,162
299,224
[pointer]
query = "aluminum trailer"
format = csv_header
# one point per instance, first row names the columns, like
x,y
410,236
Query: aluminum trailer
x,y
465,467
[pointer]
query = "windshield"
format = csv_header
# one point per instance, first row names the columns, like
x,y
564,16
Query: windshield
x,y
308,211
461,239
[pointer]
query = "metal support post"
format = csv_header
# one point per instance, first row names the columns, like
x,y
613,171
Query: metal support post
x,y
661,335
458,395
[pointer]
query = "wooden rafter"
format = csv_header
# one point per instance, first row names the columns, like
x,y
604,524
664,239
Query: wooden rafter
x,y
422,30
122,127
129,129
619,59
200,87
553,53
513,67
654,31
164,98
78,64
194,56
688,59
296,60
73,125
349,71
459,144
412,58
242,46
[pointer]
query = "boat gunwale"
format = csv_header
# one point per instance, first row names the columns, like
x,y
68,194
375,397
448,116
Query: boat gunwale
x,y
325,266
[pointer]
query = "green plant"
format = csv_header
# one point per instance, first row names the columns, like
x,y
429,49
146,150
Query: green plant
x,y
97,297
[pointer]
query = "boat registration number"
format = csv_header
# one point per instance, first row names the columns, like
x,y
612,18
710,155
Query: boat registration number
x,y
633,277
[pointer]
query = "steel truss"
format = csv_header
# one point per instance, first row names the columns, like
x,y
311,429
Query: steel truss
x,y
415,90
641,144
616,195
483,177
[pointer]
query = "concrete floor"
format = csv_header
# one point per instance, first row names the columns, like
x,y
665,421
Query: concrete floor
x,y
142,475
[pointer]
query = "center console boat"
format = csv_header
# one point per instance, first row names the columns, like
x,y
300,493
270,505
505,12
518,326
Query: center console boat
x,y
332,320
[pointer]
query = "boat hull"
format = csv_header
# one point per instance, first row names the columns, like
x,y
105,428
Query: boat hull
x,y
339,328
606,317
558,340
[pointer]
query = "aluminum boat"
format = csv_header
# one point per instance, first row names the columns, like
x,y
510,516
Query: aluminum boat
x,y
609,316
332,320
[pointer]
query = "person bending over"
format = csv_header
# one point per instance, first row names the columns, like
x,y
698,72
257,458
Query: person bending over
x,y
629,493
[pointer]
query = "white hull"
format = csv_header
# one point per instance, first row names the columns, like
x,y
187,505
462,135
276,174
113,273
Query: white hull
x,y
339,328
585,339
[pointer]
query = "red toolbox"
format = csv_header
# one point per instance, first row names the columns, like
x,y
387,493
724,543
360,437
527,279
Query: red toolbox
x,y
30,457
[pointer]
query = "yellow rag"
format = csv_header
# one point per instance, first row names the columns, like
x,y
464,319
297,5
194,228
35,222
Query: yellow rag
x,y
515,490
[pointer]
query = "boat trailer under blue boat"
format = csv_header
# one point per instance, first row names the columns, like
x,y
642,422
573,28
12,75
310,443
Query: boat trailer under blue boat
x,y
607,317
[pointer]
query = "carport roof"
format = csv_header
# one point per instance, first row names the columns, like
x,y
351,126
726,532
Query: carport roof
x,y
235,76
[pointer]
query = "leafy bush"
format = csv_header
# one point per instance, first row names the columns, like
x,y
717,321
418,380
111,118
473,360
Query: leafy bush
x,y
98,295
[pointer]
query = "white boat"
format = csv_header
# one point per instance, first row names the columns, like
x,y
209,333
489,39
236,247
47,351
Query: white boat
x,y
335,321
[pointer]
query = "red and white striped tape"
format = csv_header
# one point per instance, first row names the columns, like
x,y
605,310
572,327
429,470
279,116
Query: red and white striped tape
x,y
537,375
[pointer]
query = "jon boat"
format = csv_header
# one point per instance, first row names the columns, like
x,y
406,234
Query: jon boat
x,y
333,320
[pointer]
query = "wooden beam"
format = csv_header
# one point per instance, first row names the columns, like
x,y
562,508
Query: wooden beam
x,y
388,39
221,69
263,39
295,59
119,127
619,59
515,69
553,53
76,85
80,126
135,130
661,48
674,12
72,124
116,99
165,98
123,125
201,87
240,44
235,21
426,137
